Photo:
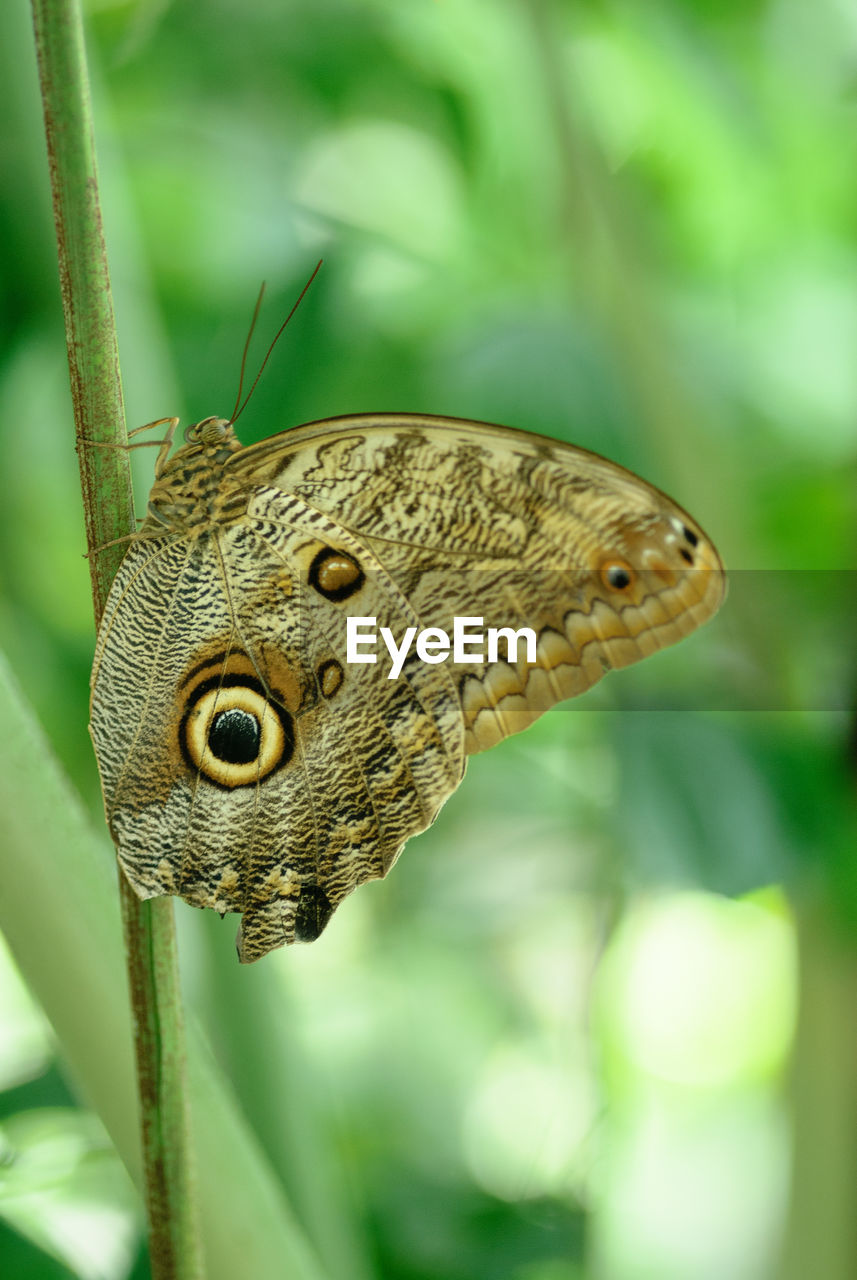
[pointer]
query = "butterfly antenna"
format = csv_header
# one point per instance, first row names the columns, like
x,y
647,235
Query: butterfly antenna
x,y
240,405
250,331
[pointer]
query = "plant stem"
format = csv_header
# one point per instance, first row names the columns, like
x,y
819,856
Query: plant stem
x,y
105,479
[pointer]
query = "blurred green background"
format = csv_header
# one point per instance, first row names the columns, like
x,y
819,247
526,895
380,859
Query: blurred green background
x,y
599,1022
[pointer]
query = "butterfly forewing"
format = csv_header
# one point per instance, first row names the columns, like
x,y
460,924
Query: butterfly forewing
x,y
487,522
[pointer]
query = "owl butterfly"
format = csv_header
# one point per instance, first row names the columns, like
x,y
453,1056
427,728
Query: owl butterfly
x,y
247,765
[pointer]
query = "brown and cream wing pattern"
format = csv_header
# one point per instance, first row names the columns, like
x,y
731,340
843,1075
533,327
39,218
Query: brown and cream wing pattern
x,y
482,521
247,765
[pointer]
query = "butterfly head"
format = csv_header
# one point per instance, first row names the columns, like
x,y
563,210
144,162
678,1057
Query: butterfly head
x,y
212,440
209,431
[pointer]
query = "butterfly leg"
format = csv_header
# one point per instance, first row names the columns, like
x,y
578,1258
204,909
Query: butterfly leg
x,y
163,446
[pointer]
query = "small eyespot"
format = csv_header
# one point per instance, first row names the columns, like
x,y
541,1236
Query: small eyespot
x,y
233,735
314,911
617,575
685,555
691,537
329,677
335,575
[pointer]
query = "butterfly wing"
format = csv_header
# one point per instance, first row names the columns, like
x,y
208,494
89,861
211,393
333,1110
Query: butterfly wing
x,y
244,766
247,765
478,521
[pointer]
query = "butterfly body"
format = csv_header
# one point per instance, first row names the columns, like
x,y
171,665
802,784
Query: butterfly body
x,y
246,764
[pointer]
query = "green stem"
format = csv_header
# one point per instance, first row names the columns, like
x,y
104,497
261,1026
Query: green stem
x,y
105,479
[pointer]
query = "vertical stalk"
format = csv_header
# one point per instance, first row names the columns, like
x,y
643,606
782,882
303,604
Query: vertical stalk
x,y
105,479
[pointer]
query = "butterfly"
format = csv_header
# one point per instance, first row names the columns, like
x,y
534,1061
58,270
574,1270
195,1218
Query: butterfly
x,y
250,760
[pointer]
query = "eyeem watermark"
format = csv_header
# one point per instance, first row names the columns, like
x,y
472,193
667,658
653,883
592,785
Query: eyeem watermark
x,y
470,642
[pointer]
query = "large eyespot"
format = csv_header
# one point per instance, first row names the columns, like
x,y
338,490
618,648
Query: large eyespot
x,y
233,734
617,575
335,575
